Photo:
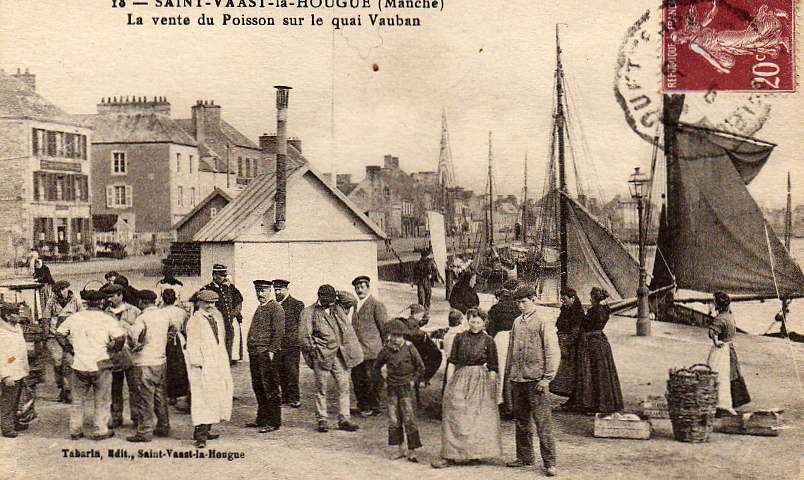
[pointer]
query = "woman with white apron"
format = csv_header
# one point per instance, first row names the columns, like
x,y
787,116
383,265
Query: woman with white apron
x,y
732,391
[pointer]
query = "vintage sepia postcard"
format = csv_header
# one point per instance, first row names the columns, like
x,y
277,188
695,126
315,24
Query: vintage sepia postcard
x,y
359,239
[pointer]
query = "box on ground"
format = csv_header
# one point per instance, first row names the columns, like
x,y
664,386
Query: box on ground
x,y
654,406
766,423
622,425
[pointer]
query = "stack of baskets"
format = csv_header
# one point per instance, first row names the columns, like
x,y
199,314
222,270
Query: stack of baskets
x,y
692,402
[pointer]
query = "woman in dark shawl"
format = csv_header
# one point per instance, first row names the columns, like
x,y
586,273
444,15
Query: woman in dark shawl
x,y
597,386
567,326
732,391
463,295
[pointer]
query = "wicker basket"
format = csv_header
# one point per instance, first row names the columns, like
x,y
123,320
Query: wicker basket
x,y
692,402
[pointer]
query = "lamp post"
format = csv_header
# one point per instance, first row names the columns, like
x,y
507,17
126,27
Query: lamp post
x,y
637,185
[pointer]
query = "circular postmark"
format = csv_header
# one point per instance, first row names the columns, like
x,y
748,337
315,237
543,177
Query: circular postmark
x,y
637,88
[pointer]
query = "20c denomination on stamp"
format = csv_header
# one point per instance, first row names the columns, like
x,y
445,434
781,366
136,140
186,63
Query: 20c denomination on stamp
x,y
734,45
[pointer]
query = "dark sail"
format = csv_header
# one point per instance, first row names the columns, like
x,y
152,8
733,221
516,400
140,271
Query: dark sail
x,y
596,258
713,235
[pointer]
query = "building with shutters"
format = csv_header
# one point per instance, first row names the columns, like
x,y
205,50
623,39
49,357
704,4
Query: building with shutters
x,y
45,167
152,170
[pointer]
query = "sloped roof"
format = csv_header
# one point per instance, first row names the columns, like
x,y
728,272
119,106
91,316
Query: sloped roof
x,y
216,139
214,193
19,101
257,198
136,128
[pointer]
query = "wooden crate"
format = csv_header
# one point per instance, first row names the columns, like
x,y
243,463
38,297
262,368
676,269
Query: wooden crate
x,y
654,406
618,425
766,423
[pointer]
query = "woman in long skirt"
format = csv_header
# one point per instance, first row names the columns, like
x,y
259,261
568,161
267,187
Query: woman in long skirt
x,y
470,428
597,386
732,391
567,326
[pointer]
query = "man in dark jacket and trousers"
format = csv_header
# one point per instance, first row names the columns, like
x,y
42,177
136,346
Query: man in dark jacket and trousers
x,y
229,303
425,274
264,340
368,319
287,359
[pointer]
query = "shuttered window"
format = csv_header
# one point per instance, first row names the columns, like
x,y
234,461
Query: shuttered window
x,y
119,196
84,182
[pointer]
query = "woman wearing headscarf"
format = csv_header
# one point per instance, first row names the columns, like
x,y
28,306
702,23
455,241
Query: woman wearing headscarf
x,y
597,386
169,281
732,391
567,326
463,295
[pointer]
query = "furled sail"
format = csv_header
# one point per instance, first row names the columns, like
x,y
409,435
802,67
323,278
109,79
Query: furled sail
x,y
713,235
596,258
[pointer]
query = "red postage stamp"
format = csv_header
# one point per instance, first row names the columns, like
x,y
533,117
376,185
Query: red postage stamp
x,y
729,45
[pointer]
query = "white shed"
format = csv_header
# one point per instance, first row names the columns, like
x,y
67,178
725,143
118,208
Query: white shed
x,y
325,239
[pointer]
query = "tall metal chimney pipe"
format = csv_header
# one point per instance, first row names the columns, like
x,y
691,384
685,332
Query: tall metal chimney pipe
x,y
282,93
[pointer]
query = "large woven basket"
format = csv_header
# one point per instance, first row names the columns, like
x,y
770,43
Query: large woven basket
x,y
692,402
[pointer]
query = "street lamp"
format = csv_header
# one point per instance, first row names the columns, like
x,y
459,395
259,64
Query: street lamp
x,y
637,185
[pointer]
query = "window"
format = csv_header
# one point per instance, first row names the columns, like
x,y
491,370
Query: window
x,y
240,166
118,196
179,194
212,212
192,196
191,164
178,163
119,164
59,188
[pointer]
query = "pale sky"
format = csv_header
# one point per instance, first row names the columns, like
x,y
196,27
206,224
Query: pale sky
x,y
488,63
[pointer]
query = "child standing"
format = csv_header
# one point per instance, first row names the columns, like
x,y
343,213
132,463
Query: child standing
x,y
404,367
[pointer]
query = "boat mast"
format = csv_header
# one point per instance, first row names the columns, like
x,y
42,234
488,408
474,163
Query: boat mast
x,y
788,217
491,200
525,205
562,181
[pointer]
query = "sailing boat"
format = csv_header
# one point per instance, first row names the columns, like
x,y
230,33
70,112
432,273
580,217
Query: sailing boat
x,y
707,198
589,255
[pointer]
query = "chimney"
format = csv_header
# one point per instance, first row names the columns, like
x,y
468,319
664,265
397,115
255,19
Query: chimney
x,y
296,143
268,143
343,179
390,161
28,79
282,94
206,118
159,105
372,171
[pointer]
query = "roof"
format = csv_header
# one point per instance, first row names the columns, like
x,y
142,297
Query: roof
x,y
17,100
257,198
214,193
215,140
136,128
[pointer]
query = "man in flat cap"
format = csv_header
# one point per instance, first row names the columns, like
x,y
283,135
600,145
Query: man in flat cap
x,y
61,304
208,368
92,335
264,340
532,362
287,359
122,365
229,303
330,346
368,320
13,367
149,336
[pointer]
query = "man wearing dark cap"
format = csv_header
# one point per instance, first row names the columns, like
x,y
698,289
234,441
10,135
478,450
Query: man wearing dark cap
x,y
122,365
287,359
330,346
149,337
229,303
425,274
368,320
208,368
92,335
61,304
532,362
264,340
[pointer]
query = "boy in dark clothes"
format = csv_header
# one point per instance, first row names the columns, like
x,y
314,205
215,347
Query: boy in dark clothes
x,y
404,367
